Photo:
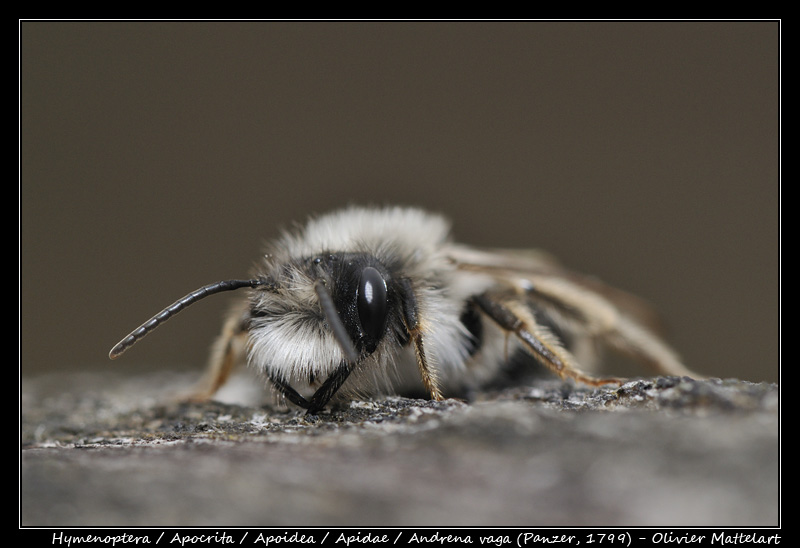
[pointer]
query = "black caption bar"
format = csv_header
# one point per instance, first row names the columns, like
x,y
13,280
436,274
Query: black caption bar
x,y
363,537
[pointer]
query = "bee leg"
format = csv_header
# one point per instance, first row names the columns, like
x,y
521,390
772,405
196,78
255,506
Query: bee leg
x,y
610,324
226,353
634,340
289,393
428,373
430,377
325,392
537,339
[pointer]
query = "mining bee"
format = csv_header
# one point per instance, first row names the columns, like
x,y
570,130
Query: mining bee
x,y
375,300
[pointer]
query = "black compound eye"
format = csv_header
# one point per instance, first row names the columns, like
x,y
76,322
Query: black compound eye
x,y
373,304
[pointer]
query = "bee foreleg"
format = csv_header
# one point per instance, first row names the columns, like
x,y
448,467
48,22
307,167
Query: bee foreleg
x,y
288,392
429,375
325,392
537,339
427,372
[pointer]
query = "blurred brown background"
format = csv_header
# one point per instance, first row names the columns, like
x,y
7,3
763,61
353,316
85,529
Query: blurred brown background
x,y
157,157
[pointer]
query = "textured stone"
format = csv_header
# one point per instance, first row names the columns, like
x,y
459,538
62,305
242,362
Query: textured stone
x,y
115,450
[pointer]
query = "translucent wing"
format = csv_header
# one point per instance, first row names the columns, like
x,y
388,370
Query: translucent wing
x,y
535,291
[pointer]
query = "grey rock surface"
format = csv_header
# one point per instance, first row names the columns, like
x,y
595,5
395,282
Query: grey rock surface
x,y
110,450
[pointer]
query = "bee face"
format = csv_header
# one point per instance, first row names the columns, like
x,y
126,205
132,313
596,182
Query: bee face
x,y
359,289
367,292
293,330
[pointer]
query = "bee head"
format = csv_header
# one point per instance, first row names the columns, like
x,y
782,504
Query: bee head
x,y
321,311
307,317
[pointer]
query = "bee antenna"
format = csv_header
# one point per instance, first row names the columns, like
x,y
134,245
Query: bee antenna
x,y
148,326
335,322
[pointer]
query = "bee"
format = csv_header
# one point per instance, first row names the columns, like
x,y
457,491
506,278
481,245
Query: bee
x,y
365,301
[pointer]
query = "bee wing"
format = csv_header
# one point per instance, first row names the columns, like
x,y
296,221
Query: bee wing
x,y
509,260
537,280
521,264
